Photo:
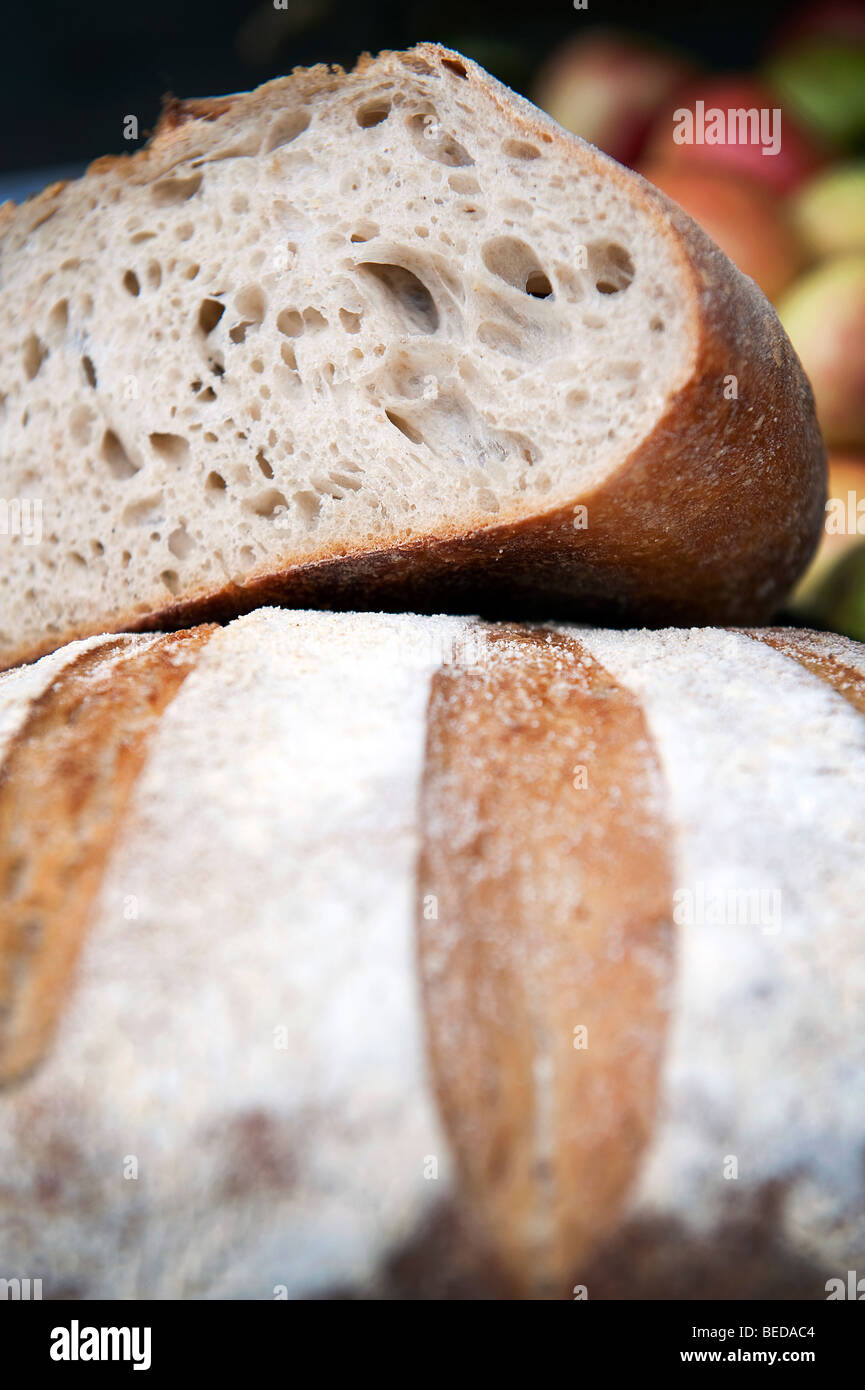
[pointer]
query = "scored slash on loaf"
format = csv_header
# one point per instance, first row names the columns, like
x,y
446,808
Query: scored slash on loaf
x,y
388,339
371,961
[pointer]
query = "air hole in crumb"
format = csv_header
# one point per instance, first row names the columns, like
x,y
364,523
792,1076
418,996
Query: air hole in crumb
x,y
373,113
349,321
308,505
116,457
657,325
290,323
313,320
521,149
458,69
267,503
345,480
610,266
59,316
405,427
501,338
175,190
516,263
433,142
416,64
172,447
35,353
180,543
463,183
406,293
538,285
251,302
263,464
171,580
89,371
365,232
130,283
154,275
215,482
286,129
209,314
237,334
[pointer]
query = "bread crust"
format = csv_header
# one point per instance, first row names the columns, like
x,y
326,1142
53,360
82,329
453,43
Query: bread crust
x,y
709,520
64,785
825,654
546,966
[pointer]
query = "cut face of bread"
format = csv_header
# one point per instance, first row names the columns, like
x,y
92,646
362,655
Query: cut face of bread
x,y
314,335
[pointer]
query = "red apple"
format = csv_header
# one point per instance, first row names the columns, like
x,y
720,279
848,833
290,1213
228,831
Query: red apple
x,y
693,129
748,221
824,315
607,87
831,19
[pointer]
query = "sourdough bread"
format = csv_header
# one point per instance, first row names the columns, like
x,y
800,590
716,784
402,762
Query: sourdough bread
x,y
429,957
389,338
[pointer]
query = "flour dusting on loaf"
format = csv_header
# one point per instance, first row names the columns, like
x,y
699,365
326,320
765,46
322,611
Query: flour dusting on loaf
x,y
763,765
267,1078
246,1023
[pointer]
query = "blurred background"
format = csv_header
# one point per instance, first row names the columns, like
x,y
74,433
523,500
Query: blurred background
x,y
85,80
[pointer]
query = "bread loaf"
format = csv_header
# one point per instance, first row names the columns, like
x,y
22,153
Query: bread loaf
x,y
371,956
389,338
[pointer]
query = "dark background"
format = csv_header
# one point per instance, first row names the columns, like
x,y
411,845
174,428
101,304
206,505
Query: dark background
x,y
69,73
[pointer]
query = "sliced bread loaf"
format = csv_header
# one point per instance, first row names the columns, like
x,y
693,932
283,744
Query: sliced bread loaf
x,y
386,338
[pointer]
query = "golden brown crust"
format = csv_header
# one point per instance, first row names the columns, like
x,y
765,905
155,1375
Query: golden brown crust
x,y
710,520
63,789
544,909
821,661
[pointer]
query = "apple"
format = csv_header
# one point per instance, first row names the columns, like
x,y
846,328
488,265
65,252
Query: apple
x,y
607,87
688,132
839,601
838,19
822,82
824,315
843,530
748,221
829,212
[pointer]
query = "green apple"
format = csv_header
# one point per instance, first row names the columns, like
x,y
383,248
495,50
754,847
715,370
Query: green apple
x,y
830,212
824,315
839,603
843,528
823,83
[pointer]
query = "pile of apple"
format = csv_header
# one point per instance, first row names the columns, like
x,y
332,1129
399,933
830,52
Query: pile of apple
x,y
793,220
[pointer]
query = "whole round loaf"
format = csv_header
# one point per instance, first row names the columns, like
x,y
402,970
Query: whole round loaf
x,y
375,956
